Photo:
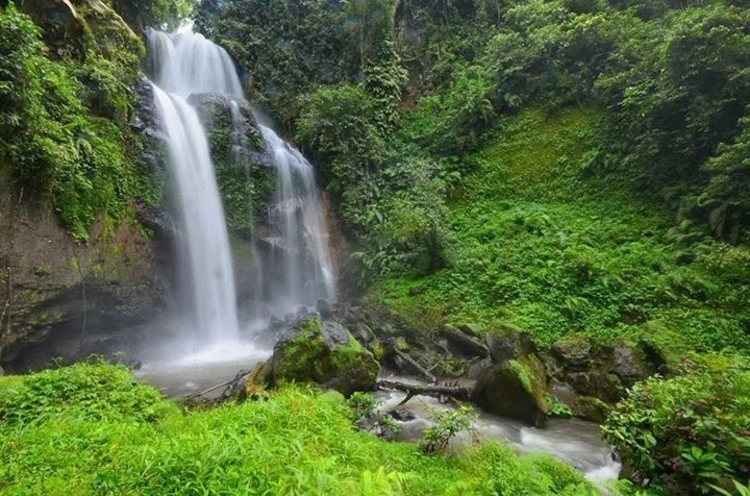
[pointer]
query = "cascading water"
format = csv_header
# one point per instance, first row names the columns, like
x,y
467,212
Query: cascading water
x,y
300,271
186,62
306,268
206,255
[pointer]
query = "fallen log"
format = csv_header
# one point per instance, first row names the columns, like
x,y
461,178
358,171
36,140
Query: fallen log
x,y
417,367
230,385
459,393
465,342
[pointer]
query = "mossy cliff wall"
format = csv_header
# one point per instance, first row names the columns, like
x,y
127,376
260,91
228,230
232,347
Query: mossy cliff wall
x,y
82,237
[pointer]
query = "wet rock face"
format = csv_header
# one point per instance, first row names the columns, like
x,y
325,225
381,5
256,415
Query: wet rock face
x,y
216,114
67,300
145,122
324,353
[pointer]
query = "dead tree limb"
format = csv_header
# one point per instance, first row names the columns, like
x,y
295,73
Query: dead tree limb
x,y
422,371
228,384
461,393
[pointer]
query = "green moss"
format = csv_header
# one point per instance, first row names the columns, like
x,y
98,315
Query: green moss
x,y
590,408
345,367
522,374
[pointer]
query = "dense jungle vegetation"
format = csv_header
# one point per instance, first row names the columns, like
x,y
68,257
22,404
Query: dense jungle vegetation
x,y
568,167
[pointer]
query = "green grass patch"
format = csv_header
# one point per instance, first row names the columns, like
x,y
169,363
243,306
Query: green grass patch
x,y
297,442
542,244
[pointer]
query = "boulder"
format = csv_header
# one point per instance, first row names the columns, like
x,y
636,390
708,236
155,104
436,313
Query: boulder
x,y
509,343
324,353
627,365
515,389
574,352
401,414
590,408
324,309
607,387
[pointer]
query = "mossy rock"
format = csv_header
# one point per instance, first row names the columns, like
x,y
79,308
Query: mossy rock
x,y
325,354
574,352
590,408
607,387
509,343
515,389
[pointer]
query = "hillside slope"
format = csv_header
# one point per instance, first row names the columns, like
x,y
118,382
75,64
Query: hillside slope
x,y
541,243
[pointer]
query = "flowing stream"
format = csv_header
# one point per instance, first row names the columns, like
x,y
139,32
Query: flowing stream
x,y
575,442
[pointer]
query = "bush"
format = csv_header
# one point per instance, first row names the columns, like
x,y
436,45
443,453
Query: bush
x,y
91,392
79,159
688,433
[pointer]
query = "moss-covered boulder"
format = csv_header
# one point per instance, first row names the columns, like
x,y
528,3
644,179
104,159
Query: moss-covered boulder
x,y
324,353
573,351
509,343
590,408
515,389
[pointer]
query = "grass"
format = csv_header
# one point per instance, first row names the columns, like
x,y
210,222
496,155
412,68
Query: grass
x,y
297,442
542,242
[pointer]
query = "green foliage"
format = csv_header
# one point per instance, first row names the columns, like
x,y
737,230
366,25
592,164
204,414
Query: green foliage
x,y
688,433
391,196
94,392
59,126
157,13
448,423
296,442
537,245
557,408
362,405
292,46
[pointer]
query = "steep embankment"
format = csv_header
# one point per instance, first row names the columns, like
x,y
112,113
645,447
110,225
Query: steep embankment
x,y
541,243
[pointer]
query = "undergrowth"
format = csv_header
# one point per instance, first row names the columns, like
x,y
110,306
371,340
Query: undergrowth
x,y
543,242
83,430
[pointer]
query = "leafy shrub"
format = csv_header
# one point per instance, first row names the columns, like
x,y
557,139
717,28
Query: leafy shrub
x,y
92,392
73,156
690,432
448,423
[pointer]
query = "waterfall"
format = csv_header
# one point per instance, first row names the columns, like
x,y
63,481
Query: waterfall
x,y
306,268
186,63
299,271
206,254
